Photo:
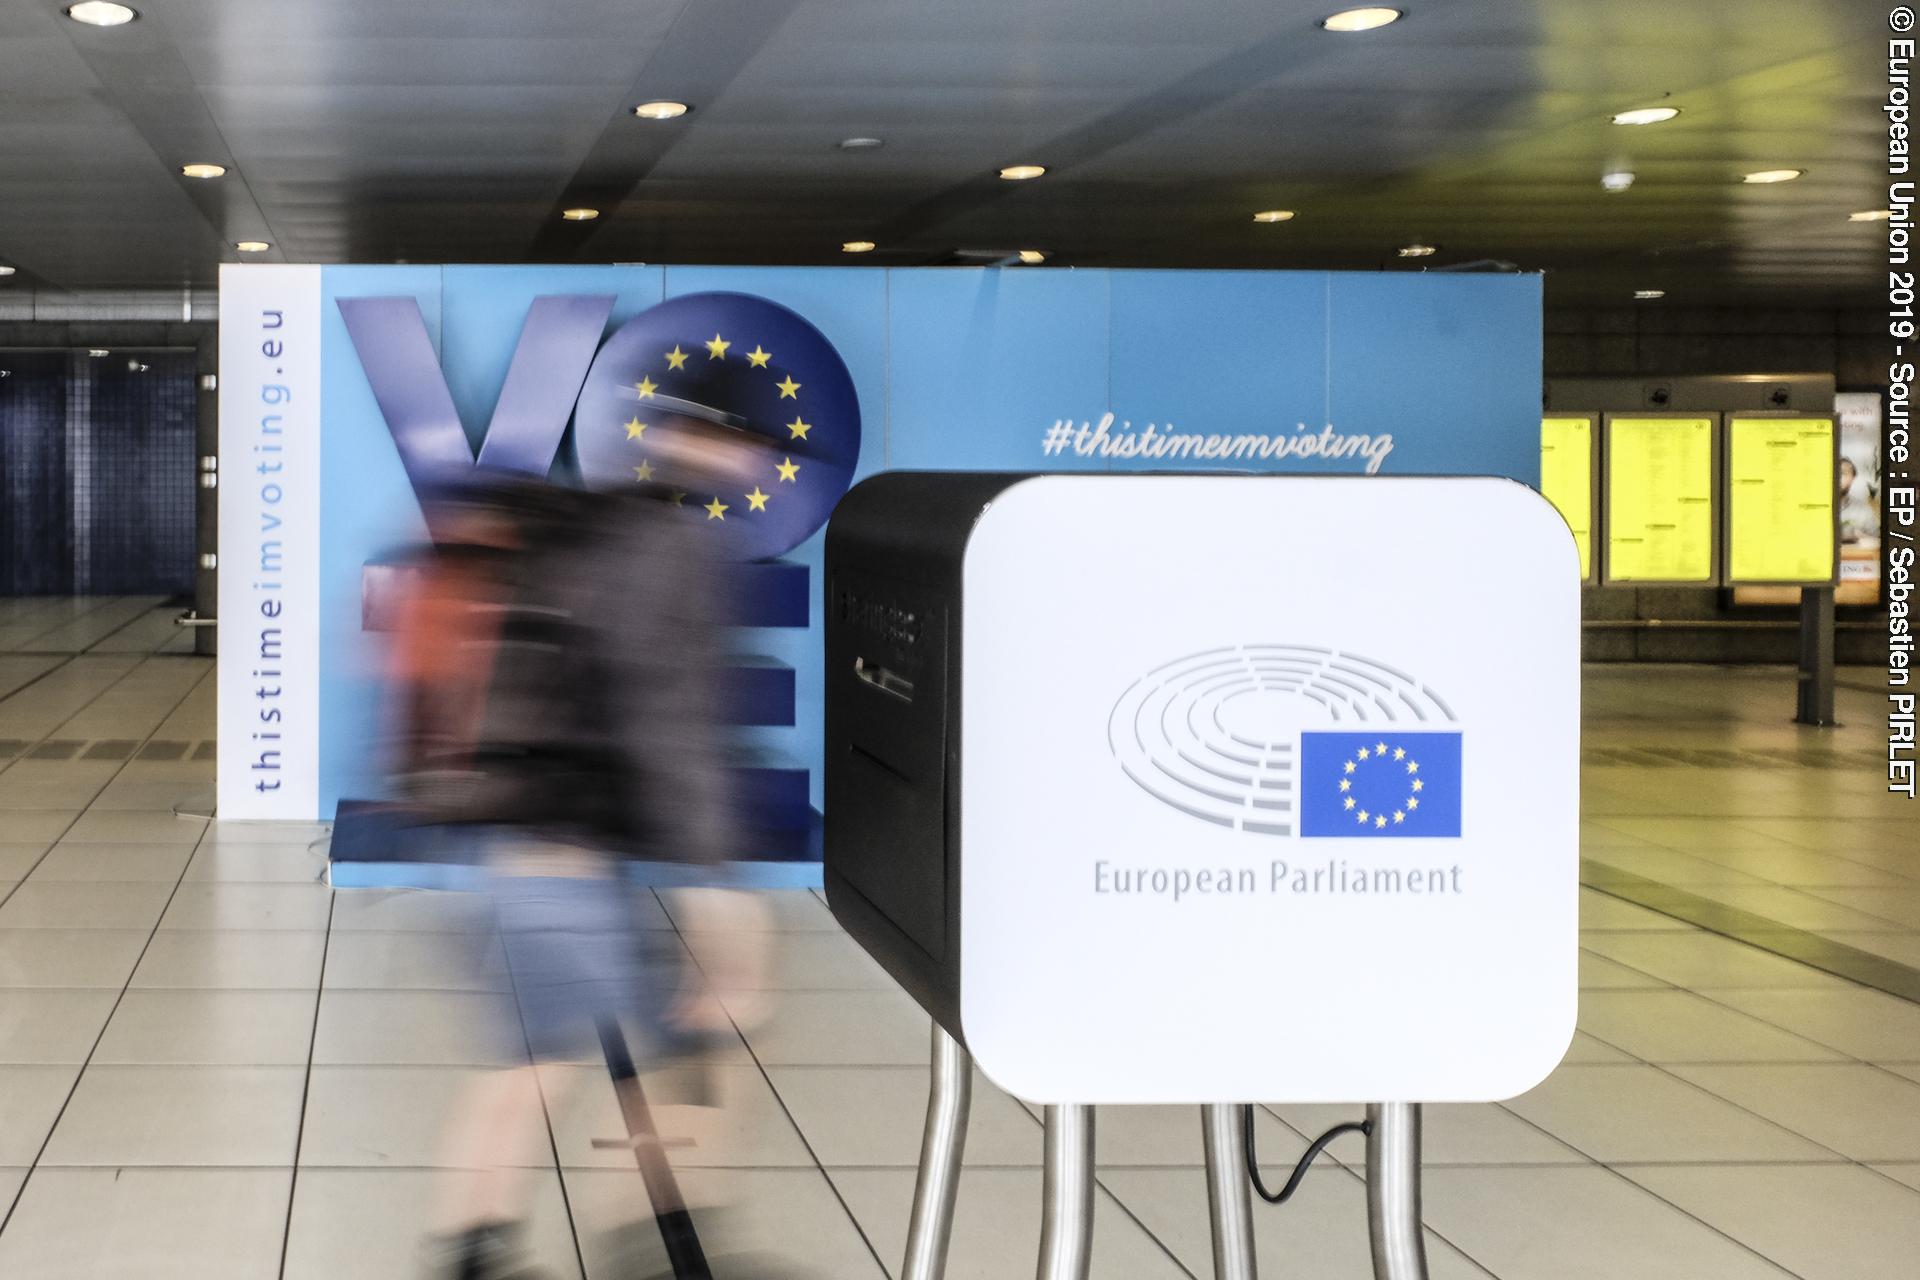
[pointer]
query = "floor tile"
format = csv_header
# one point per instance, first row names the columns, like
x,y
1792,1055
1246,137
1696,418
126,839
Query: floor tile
x,y
257,863
148,1224
1859,1021
1633,1113
416,961
1679,1026
996,1233
29,826
1859,1111
30,1099
391,1212
1706,961
1598,911
855,1116
841,1028
1450,1133
10,1183
69,957
1578,1224
156,826
793,910
748,1126
387,910
437,1028
66,905
402,1116
294,833
249,906
1320,1234
181,1116
1906,1174
1597,973
1898,905
218,1028
232,959
1586,1048
41,1027
1901,946
817,960
16,860
158,863
1796,908
754,1224
1829,1222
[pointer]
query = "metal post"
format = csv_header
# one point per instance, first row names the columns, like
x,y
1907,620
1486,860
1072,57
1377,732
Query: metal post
x,y
1815,702
1393,1191
1066,1228
1229,1197
941,1146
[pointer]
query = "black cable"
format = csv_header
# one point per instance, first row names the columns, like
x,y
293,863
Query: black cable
x,y
1300,1170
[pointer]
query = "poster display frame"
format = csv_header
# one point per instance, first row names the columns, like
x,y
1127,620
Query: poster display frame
x,y
1596,513
1725,496
1716,462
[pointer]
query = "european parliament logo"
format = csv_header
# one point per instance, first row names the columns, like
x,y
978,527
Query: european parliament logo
x,y
1293,740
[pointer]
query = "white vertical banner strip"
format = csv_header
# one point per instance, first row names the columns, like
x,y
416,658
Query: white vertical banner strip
x,y
269,664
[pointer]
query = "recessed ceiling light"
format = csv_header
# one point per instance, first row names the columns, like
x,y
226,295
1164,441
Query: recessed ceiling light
x,y
1033,257
1766,176
99,353
857,246
580,215
203,170
860,144
1274,215
1022,172
1418,250
252,246
1871,215
6,270
99,13
1646,115
1617,180
1367,19
1648,295
661,110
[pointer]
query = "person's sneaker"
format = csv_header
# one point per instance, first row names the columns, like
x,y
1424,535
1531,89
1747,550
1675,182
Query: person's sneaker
x,y
488,1252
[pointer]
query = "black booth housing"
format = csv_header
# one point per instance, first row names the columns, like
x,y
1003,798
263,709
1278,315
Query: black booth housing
x,y
896,551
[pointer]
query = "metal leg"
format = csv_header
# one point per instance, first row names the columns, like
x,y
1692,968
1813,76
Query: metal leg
x,y
1393,1191
941,1147
1229,1198
1066,1230
1815,702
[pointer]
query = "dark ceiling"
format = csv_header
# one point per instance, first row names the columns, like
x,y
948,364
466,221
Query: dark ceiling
x,y
457,130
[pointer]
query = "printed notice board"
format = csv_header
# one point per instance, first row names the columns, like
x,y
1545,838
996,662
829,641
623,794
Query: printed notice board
x,y
1659,504
1566,479
1780,499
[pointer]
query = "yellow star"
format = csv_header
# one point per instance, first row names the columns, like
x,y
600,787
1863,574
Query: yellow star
x,y
1417,784
1399,753
1380,821
756,501
789,389
1413,802
1345,785
646,388
799,428
1399,816
1364,815
716,510
635,428
676,358
788,471
1348,803
1380,750
758,358
1413,766
1363,753
1349,766
717,349
643,472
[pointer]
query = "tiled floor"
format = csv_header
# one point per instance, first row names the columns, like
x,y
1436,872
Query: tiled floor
x,y
212,1065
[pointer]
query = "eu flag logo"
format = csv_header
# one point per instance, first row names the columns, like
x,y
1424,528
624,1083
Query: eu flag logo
x,y
1381,784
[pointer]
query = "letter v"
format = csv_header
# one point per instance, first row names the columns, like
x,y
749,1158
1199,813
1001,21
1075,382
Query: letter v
x,y
557,344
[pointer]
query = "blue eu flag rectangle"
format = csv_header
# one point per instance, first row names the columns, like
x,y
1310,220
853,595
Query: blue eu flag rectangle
x,y
1382,783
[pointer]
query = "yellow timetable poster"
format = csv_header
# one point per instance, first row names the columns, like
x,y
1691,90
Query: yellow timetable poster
x,y
1780,496
1660,499
1566,478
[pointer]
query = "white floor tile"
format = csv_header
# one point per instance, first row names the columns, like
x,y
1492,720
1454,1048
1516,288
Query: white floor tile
x,y
1860,1111
744,1127
416,961
1451,1133
257,863
66,905
364,1117
30,826
158,863
181,1116
158,826
1633,1113
433,1028
791,910
1829,1222
1679,1026
374,1223
388,910
148,1224
840,1028
1705,961
30,1099
864,1116
42,1027
232,959
817,960
1907,1174
1859,1021
217,1028
249,906
69,957
17,859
